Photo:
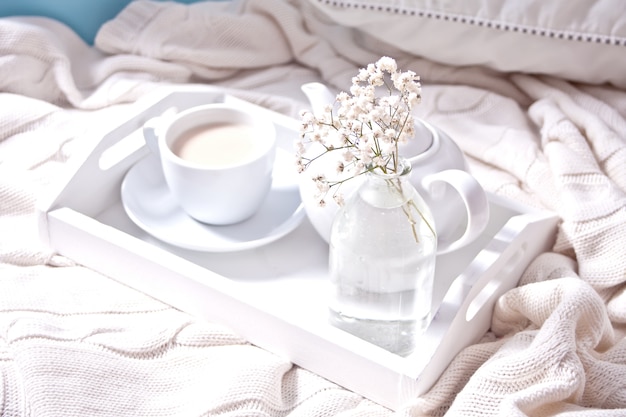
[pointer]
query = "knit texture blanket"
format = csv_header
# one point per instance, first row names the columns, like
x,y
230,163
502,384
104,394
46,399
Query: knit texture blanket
x,y
76,343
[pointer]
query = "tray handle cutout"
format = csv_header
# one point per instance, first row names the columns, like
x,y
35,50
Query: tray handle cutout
x,y
491,289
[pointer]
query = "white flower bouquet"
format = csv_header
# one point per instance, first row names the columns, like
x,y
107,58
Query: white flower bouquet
x,y
365,126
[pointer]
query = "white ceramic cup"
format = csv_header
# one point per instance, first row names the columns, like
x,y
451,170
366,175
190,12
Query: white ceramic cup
x,y
225,179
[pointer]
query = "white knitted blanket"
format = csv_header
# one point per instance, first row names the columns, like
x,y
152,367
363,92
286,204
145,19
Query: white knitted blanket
x,y
75,343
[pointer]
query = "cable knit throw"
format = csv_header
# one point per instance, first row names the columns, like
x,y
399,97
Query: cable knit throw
x,y
76,343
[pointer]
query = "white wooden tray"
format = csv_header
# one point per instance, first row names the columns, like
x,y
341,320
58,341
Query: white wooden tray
x,y
274,295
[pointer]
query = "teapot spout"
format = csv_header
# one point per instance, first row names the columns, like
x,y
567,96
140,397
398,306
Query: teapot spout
x,y
319,96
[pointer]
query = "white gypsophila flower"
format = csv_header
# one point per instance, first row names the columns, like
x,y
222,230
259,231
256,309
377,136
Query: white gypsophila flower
x,y
339,199
389,65
365,124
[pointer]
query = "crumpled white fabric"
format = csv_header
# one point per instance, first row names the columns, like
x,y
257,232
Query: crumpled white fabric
x,y
76,343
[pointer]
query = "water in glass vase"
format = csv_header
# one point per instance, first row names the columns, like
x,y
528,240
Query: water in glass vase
x,y
382,261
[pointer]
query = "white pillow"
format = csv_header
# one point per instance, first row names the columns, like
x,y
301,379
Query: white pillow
x,y
580,40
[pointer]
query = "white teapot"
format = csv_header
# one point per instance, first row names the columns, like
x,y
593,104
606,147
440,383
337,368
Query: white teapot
x,y
439,172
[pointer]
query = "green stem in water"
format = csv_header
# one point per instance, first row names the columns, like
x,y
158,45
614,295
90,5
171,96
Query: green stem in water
x,y
407,209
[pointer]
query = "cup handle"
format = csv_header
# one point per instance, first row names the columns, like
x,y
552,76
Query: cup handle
x,y
474,199
152,128
150,135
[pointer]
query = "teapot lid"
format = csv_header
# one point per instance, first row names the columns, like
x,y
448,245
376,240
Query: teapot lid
x,y
422,141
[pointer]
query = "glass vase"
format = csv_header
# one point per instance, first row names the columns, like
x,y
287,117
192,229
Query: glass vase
x,y
382,262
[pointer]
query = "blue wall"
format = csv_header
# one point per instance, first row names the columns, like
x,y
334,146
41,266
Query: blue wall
x,y
84,16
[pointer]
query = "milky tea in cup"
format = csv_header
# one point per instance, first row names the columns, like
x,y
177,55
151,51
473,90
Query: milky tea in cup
x,y
218,144
217,160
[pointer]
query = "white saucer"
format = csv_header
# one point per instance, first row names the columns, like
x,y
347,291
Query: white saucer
x,y
149,204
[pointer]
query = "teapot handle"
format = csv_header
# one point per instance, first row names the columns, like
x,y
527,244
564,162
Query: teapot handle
x,y
474,199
